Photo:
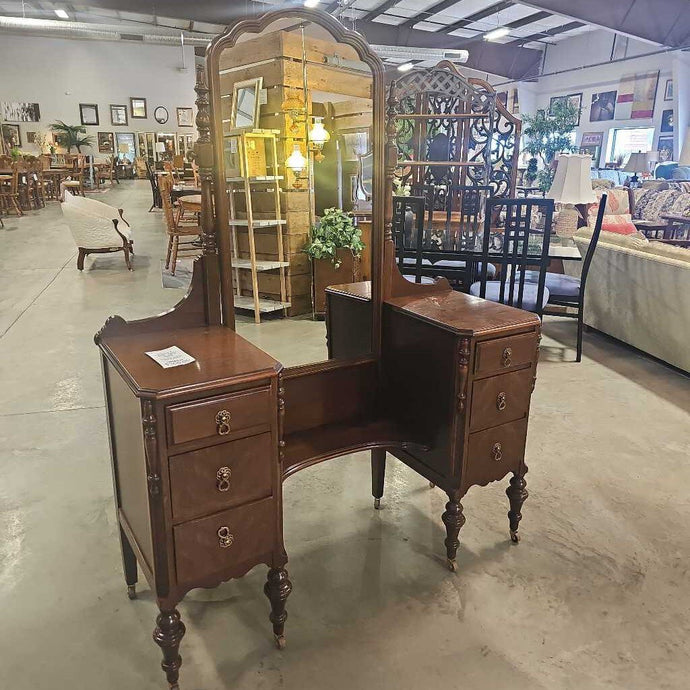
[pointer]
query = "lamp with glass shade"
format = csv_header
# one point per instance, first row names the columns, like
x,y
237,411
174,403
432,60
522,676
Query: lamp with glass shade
x,y
572,184
297,163
318,137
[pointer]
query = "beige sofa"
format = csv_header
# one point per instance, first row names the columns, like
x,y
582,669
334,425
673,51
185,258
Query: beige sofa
x,y
639,292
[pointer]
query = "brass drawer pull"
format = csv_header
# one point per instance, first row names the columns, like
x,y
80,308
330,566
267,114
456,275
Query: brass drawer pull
x,y
507,357
497,452
223,422
225,537
223,479
501,401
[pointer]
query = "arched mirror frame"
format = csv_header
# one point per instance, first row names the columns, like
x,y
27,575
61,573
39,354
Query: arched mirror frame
x,y
228,39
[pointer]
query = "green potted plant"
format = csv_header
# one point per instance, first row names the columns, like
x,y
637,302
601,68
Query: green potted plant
x,y
549,133
335,246
71,136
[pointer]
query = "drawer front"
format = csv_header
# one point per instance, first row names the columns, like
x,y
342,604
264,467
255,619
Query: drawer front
x,y
500,399
495,452
222,476
505,354
212,544
218,417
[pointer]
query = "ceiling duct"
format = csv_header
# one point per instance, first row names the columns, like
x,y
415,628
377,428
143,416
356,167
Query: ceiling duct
x,y
98,32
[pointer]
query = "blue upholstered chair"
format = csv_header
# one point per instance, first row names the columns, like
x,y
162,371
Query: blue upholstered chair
x,y
567,291
526,238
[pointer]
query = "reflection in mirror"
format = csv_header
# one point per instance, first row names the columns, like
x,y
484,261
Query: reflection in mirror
x,y
296,117
245,103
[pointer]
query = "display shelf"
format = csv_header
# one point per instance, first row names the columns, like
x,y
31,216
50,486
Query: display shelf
x,y
265,305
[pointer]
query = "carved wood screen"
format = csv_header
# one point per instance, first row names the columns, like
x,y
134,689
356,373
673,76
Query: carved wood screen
x,y
441,117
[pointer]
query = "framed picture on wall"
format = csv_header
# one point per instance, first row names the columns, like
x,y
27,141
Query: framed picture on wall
x,y
106,142
11,136
603,106
185,117
137,107
665,149
667,121
118,115
574,98
21,112
126,147
88,112
31,137
668,90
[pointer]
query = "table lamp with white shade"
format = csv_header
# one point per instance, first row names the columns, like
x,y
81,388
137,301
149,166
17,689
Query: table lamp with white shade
x,y
123,149
572,184
160,147
637,163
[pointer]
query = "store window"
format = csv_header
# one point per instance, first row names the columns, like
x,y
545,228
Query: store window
x,y
623,142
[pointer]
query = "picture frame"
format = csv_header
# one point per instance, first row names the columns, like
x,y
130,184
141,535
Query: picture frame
x,y
118,115
14,111
106,142
11,136
160,114
668,90
185,117
574,98
137,108
666,121
603,106
31,137
246,101
126,139
88,113
665,149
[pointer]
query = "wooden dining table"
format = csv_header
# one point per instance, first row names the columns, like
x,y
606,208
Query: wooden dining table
x,y
190,203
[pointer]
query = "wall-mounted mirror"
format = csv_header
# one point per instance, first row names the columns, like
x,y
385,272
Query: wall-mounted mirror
x,y
245,103
288,179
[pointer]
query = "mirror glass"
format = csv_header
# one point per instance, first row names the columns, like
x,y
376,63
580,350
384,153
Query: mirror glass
x,y
296,117
245,103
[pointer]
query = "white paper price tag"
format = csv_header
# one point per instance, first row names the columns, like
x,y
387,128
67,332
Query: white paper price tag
x,y
171,357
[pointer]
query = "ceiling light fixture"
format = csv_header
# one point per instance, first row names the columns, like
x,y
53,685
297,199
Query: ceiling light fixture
x,y
497,33
311,3
62,14
405,67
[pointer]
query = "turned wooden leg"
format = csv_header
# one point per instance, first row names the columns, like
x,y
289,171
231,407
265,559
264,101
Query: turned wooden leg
x,y
517,494
453,519
129,565
80,258
378,475
277,589
168,634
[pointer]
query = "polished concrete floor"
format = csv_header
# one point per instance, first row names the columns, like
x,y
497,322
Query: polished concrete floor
x,y
595,596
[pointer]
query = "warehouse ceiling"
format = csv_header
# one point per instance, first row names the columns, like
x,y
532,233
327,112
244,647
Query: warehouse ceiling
x,y
529,25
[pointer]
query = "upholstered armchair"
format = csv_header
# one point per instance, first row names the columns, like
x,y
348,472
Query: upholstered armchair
x,y
97,228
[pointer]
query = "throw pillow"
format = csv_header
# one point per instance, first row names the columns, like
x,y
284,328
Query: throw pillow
x,y
620,224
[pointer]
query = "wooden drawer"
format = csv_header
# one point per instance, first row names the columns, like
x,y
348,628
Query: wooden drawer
x,y
200,420
505,354
222,476
249,533
495,452
500,399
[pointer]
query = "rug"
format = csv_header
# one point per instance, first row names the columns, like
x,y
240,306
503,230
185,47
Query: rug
x,y
182,277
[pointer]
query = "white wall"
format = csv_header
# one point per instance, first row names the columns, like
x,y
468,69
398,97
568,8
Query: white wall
x,y
59,73
596,47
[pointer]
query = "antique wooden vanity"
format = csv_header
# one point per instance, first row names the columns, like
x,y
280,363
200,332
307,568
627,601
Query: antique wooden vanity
x,y
439,379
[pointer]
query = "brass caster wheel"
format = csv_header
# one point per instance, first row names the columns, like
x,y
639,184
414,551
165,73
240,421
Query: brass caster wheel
x,y
377,504
280,641
432,485
132,591
452,565
514,537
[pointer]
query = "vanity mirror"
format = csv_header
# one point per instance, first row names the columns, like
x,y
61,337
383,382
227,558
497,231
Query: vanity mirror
x,y
286,168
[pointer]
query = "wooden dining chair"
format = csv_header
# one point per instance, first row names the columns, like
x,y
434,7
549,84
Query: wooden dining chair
x,y
9,192
526,228
76,184
183,237
106,174
569,291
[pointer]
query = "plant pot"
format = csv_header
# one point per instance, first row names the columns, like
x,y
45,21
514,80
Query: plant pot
x,y
325,274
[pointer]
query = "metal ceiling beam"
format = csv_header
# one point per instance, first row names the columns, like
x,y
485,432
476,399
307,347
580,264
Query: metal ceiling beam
x,y
548,33
664,22
477,16
380,9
